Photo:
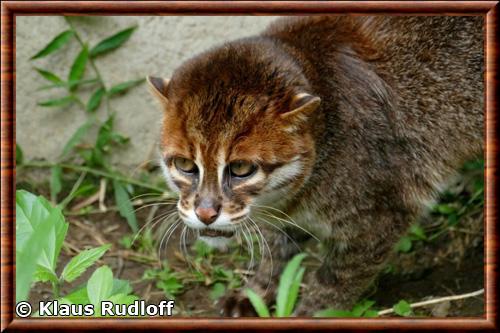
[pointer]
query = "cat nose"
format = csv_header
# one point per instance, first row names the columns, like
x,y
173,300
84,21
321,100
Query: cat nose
x,y
207,211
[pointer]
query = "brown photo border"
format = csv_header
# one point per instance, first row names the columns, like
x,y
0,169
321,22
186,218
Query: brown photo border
x,y
11,9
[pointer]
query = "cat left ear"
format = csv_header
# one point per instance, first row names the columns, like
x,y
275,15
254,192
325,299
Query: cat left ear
x,y
158,87
301,106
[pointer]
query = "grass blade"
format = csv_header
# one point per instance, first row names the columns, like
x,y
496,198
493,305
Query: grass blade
x,y
286,281
49,76
112,42
76,138
78,68
58,102
124,205
122,87
54,44
95,100
258,303
55,182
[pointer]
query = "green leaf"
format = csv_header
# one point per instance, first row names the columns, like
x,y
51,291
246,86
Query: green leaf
x,y
112,42
218,290
445,209
76,137
78,264
333,313
78,68
78,296
100,285
55,182
404,244
19,155
258,303
121,287
58,102
123,299
402,308
124,205
286,281
360,308
370,314
122,87
95,100
417,231
40,232
294,292
49,76
54,44
43,274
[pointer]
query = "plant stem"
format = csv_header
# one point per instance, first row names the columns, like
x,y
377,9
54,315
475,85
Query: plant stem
x,y
436,300
92,64
95,172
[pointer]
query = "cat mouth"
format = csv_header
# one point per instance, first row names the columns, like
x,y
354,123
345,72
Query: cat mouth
x,y
216,233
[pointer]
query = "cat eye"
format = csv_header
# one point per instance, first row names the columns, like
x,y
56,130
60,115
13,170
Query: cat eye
x,y
185,165
241,169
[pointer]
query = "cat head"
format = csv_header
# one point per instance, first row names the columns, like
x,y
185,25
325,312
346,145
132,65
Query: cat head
x,y
235,134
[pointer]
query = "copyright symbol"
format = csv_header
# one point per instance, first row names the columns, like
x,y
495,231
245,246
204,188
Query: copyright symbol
x,y
23,309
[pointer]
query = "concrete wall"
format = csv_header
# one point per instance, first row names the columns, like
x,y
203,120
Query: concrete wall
x,y
157,47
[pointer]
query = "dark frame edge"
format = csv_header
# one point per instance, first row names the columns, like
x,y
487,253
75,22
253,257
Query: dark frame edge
x,y
10,9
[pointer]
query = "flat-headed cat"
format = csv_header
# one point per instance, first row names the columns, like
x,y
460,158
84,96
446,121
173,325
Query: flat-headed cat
x,y
345,126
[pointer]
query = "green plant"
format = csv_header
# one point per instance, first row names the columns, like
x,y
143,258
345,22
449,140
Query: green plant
x,y
91,160
288,290
40,233
166,279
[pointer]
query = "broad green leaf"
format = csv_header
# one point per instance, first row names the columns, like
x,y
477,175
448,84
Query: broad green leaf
x,y
55,182
333,313
40,231
78,264
121,287
49,76
218,290
19,155
76,137
258,303
100,285
286,281
122,299
112,42
57,102
78,296
417,231
402,308
42,274
78,68
122,87
95,100
294,292
54,44
404,244
370,314
124,205
359,309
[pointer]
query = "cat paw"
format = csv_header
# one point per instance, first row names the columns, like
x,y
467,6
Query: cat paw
x,y
236,304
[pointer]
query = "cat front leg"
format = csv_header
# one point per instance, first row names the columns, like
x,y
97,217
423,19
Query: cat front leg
x,y
347,271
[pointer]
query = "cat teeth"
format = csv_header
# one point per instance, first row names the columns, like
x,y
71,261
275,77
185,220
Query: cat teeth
x,y
216,233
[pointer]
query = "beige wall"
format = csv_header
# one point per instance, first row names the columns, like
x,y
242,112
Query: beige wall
x,y
157,47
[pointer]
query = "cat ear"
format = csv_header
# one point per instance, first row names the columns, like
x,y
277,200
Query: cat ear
x,y
301,106
158,87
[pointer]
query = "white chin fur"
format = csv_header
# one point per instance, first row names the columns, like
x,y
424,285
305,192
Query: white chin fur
x,y
220,243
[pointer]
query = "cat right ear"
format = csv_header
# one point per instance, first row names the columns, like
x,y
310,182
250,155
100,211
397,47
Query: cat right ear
x,y
301,106
158,87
